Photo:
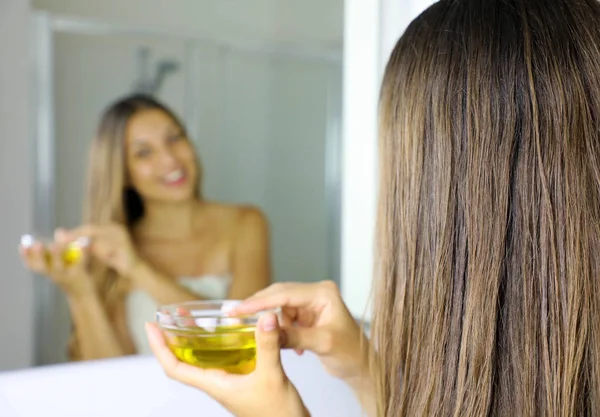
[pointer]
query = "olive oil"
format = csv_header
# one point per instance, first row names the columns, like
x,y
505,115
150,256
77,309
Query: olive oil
x,y
231,348
70,255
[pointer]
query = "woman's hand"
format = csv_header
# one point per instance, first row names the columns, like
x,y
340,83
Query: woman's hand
x,y
49,261
316,319
266,392
110,244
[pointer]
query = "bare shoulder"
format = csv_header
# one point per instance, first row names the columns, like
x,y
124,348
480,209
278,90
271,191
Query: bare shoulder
x,y
237,217
251,229
251,215
251,221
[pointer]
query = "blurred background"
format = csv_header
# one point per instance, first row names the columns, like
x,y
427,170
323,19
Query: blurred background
x,y
261,98
279,97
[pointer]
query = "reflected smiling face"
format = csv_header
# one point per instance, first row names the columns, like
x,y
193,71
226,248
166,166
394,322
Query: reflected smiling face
x,y
161,162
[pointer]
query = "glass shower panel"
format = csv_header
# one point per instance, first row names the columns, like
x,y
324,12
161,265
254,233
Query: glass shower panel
x,y
91,72
296,194
264,140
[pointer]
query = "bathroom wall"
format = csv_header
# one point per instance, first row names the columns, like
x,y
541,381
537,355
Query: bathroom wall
x,y
16,285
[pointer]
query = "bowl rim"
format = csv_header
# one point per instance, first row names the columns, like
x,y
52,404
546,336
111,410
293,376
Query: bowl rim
x,y
167,317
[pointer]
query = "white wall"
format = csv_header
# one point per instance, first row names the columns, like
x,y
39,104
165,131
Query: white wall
x,y
361,71
16,290
317,22
372,28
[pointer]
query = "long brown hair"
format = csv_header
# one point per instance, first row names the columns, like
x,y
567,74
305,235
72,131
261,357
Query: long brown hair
x,y
109,198
488,240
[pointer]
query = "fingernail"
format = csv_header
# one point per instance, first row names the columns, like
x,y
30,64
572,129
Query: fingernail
x,y
150,333
232,312
148,327
269,323
228,307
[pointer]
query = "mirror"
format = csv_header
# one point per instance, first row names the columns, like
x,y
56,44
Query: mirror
x,y
257,86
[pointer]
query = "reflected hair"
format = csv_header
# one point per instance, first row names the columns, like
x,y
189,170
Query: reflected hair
x,y
488,234
108,196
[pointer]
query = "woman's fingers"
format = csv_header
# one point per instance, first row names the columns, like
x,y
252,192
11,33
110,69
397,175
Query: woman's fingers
x,y
34,257
264,392
319,341
61,236
278,295
301,305
112,232
289,316
211,381
186,322
173,368
104,251
56,261
268,357
86,230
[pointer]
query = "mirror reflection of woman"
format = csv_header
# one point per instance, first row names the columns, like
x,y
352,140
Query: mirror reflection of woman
x,y
155,240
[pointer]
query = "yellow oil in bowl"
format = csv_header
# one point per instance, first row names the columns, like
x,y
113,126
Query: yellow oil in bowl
x,y
201,333
230,348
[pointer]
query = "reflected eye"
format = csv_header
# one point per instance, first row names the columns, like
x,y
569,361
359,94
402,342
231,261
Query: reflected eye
x,y
175,138
143,153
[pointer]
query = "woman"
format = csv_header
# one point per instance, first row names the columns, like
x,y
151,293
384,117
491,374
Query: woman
x,y
487,297
154,239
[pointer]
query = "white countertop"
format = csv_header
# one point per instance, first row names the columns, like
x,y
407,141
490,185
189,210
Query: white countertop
x,y
136,386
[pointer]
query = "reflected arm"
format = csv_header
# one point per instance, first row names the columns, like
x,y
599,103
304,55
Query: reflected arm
x,y
163,289
251,263
94,331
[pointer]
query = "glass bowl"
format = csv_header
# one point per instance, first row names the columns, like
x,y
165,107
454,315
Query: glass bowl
x,y
71,254
201,333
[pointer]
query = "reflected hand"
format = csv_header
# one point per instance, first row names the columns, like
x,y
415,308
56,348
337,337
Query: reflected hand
x,y
316,319
49,261
111,244
265,392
